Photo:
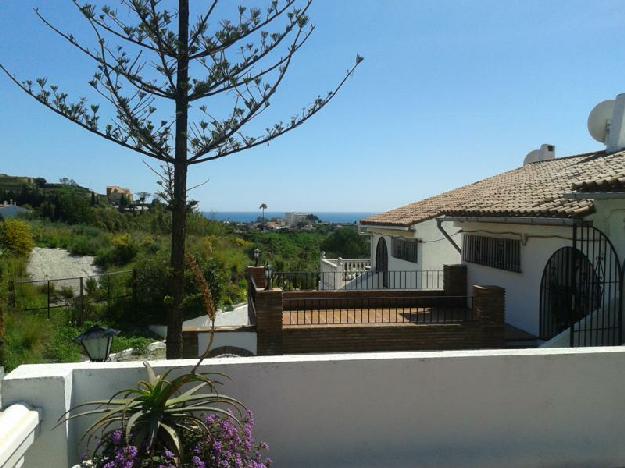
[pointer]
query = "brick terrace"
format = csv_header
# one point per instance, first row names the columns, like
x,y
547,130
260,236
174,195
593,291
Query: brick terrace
x,y
374,317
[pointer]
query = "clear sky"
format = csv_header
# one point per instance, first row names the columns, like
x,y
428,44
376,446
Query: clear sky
x,y
451,91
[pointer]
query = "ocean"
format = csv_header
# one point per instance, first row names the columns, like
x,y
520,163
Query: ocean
x,y
251,216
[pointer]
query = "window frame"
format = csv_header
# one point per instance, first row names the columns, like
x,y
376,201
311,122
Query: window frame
x,y
405,249
501,253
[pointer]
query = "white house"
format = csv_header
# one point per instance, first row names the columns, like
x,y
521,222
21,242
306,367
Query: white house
x,y
551,232
409,251
9,210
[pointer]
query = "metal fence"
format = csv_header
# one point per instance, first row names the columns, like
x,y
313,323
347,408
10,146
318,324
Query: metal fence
x,y
377,310
418,280
251,301
84,296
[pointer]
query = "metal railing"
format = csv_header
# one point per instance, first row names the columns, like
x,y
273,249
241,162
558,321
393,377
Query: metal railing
x,y
251,301
307,311
417,280
77,294
345,264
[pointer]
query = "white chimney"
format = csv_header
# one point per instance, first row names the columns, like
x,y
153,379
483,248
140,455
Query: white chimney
x,y
606,123
544,153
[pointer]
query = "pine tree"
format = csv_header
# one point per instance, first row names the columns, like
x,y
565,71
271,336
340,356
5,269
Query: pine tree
x,y
149,57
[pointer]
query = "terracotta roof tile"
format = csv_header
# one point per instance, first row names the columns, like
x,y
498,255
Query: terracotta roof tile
x,y
536,189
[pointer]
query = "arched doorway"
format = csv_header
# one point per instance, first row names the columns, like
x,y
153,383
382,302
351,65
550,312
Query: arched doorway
x,y
557,290
581,290
381,262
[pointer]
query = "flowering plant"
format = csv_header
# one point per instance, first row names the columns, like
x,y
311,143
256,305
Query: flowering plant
x,y
160,423
225,445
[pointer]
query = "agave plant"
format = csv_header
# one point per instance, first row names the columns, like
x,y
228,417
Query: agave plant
x,y
156,413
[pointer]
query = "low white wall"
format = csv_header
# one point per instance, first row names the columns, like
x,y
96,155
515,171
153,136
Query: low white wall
x,y
514,408
608,217
244,339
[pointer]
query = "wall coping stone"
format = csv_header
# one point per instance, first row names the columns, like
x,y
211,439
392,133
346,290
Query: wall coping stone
x,y
28,371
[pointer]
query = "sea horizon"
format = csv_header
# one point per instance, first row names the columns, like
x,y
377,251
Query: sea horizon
x,y
333,217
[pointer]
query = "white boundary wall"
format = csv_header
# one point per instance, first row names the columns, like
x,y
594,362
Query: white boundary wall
x,y
244,339
513,408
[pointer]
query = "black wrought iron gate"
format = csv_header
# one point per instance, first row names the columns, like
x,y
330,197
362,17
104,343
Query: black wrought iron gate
x,y
581,289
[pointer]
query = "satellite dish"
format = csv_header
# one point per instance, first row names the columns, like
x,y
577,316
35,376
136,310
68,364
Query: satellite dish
x,y
599,120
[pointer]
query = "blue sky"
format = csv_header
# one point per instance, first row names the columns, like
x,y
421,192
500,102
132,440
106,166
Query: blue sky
x,y
451,91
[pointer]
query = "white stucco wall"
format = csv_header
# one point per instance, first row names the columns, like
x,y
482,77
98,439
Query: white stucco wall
x,y
609,217
538,243
513,408
434,249
243,339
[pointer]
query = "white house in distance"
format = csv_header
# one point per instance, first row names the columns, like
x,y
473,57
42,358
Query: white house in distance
x,y
551,232
409,251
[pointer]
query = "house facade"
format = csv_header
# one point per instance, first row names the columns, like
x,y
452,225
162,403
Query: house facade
x,y
551,233
411,256
115,194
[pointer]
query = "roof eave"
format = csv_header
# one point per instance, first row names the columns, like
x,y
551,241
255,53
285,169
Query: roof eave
x,y
385,226
594,195
535,220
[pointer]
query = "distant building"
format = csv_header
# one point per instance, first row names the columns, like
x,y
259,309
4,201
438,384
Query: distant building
x,y
293,219
9,210
115,194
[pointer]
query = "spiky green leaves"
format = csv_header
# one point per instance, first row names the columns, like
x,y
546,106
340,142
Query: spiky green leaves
x,y
153,415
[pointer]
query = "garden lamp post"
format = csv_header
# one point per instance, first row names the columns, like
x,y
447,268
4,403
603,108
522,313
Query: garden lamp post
x,y
268,276
256,256
97,342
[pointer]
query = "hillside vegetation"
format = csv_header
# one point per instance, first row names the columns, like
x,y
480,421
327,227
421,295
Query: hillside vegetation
x,y
137,244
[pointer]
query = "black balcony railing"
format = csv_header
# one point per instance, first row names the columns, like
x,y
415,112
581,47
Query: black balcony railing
x,y
358,280
376,310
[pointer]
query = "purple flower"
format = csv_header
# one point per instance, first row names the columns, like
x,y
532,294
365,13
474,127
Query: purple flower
x,y
197,462
116,437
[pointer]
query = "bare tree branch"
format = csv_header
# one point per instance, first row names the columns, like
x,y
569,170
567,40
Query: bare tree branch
x,y
82,123
312,110
244,30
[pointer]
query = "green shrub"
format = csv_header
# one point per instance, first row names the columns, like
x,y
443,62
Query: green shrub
x,y
154,288
66,292
138,343
123,250
32,338
347,243
16,237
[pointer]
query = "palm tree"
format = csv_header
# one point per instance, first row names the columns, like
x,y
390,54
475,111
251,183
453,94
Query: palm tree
x,y
263,206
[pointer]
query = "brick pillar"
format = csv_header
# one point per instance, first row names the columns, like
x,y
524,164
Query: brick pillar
x,y
269,321
489,305
455,280
190,345
258,273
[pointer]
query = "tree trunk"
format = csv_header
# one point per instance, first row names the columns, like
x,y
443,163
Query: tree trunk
x,y
179,203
